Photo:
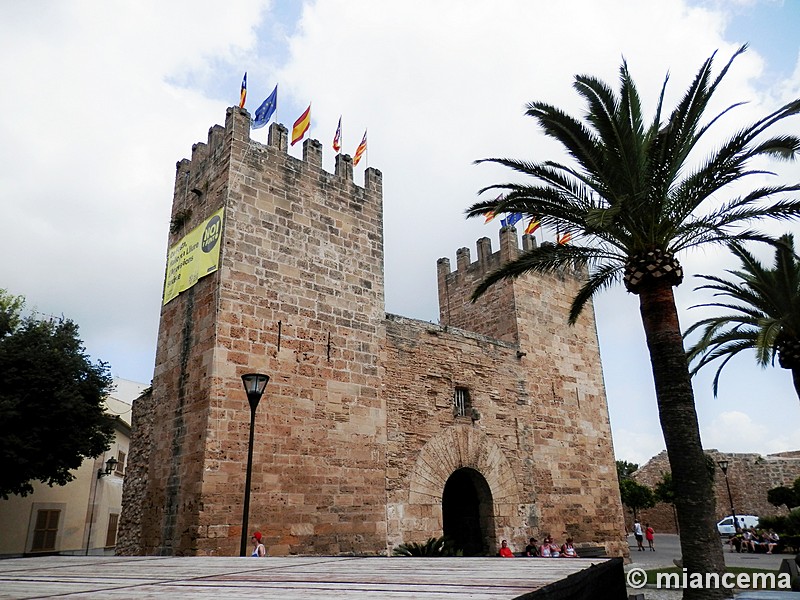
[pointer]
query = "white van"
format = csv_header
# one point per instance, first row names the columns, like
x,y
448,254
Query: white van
x,y
726,528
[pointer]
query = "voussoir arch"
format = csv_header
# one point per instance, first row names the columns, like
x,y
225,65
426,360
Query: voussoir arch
x,y
458,447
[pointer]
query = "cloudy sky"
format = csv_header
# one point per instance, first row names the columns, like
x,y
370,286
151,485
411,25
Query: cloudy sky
x,y
99,99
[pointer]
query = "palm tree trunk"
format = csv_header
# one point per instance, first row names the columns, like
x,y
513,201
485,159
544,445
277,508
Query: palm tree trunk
x,y
694,493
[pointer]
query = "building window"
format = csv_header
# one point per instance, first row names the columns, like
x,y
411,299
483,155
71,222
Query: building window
x,y
45,530
120,469
111,534
461,404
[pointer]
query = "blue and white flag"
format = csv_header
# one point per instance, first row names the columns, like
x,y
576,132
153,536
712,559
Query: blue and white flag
x,y
511,219
266,110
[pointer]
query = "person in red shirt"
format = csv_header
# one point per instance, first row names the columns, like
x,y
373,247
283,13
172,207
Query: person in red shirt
x,y
505,551
648,534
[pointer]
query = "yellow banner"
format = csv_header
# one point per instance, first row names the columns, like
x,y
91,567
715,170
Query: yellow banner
x,y
195,256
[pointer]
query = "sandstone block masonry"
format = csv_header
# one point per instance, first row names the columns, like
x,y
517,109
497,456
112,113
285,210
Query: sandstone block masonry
x,y
374,429
750,477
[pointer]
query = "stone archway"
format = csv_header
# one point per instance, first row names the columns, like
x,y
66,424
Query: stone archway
x,y
467,514
463,447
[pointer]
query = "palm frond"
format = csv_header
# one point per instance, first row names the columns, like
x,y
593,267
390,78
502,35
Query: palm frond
x,y
765,305
605,276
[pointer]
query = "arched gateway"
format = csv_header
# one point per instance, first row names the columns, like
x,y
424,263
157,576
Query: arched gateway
x,y
462,479
467,512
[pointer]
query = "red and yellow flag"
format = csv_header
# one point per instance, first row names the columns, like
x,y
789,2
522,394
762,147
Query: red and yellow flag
x,y
362,147
489,217
301,126
564,239
533,226
337,137
243,93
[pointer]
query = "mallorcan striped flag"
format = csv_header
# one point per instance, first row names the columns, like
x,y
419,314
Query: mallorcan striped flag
x,y
362,147
491,215
243,93
337,137
301,126
533,226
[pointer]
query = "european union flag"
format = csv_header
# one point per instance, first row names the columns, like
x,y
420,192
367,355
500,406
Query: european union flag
x,y
266,110
511,219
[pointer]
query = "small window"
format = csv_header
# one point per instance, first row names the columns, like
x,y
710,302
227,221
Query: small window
x,y
44,534
111,534
120,469
461,404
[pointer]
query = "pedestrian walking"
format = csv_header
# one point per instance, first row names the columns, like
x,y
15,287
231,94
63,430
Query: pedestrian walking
x,y
639,535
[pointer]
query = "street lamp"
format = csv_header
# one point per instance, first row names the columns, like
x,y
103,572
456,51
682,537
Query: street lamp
x,y
254,384
111,465
723,465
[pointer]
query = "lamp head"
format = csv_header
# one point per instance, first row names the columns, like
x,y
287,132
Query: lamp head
x,y
111,464
254,385
723,465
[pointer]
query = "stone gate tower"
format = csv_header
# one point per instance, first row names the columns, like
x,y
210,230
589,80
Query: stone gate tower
x,y
374,429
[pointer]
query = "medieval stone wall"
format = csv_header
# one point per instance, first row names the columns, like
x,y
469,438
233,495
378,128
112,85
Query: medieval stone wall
x,y
136,475
539,454
356,436
301,300
750,477
169,500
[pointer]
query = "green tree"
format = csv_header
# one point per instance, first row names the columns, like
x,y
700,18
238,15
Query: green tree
x,y
790,496
664,491
636,496
51,401
766,318
631,199
778,496
625,469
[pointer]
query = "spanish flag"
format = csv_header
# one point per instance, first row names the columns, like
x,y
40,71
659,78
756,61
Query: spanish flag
x,y
362,147
533,226
564,239
243,93
491,215
337,137
301,126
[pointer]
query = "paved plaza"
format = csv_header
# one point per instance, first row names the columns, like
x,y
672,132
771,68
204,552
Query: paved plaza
x,y
287,578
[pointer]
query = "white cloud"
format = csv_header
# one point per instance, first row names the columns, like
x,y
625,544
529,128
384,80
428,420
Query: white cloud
x,y
638,445
100,99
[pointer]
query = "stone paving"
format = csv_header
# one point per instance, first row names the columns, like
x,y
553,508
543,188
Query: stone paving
x,y
287,578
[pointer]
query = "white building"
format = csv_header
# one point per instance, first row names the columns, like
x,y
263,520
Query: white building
x,y
82,516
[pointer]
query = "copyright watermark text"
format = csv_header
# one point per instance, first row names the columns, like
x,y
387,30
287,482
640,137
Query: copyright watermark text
x,y
637,578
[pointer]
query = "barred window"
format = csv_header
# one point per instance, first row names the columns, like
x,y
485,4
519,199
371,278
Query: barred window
x,y
461,404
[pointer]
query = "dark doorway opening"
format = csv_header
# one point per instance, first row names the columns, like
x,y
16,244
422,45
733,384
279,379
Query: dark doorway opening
x,y
467,512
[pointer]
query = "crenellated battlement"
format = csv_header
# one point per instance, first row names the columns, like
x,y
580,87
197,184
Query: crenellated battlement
x,y
488,261
496,313
199,189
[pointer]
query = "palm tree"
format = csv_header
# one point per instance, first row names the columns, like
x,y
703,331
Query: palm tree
x,y
630,202
767,319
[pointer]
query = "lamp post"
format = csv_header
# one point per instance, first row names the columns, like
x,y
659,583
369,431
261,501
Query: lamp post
x,y
111,464
723,465
254,384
